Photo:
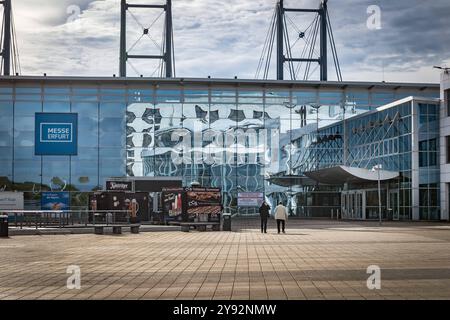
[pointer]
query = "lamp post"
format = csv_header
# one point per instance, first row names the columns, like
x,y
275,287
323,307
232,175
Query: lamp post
x,y
316,107
377,168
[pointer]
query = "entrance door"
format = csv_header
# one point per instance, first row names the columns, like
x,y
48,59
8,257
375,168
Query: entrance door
x,y
344,205
393,204
358,205
352,204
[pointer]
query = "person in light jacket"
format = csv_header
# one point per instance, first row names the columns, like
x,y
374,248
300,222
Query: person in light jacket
x,y
281,216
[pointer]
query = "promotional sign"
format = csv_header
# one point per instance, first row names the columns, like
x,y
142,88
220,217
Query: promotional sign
x,y
55,201
11,200
119,185
203,201
188,203
250,199
56,133
173,201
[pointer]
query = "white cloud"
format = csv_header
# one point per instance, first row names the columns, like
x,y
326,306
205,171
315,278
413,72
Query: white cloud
x,y
218,38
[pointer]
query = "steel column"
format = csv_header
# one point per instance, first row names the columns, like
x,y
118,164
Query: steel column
x,y
323,41
168,53
6,45
280,32
123,40
166,56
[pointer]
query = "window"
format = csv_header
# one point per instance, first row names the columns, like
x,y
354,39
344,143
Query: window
x,y
428,153
447,147
447,100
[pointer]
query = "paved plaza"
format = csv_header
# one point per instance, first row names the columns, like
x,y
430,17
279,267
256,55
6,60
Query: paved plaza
x,y
314,260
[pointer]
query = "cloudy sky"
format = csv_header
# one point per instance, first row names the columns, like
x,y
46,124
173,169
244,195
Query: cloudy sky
x,y
224,38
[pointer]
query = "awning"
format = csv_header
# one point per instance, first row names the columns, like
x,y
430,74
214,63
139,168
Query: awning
x,y
342,174
291,180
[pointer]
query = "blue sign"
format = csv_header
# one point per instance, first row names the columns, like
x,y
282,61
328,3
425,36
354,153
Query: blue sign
x,y
56,133
55,201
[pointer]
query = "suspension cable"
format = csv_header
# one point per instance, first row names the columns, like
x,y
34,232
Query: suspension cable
x,y
270,49
16,66
333,46
154,21
334,57
163,44
135,43
266,43
311,51
1,43
132,67
173,54
309,36
143,28
288,50
307,43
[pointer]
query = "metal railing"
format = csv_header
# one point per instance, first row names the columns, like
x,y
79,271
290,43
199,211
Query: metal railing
x,y
65,218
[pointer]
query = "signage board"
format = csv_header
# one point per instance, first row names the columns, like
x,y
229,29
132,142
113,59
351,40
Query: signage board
x,y
55,200
119,185
190,202
11,200
250,199
203,201
56,133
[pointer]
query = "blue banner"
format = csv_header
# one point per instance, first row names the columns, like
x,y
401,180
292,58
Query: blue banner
x,y
55,201
56,133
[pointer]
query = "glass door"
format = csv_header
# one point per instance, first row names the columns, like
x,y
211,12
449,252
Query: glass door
x,y
393,204
344,205
352,204
358,205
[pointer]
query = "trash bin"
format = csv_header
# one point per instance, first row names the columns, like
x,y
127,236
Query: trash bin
x,y
4,226
226,222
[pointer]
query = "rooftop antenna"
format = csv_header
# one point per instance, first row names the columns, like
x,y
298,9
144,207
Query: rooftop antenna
x,y
166,57
445,69
278,33
8,42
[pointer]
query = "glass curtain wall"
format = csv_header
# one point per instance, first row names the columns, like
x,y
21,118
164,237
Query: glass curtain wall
x,y
428,161
233,137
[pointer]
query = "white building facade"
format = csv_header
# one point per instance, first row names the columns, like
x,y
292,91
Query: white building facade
x,y
445,145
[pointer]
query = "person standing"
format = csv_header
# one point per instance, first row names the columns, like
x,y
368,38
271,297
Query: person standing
x,y
281,216
264,213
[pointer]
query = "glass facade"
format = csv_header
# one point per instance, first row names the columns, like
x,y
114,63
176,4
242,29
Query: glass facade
x,y
447,101
383,137
228,135
428,161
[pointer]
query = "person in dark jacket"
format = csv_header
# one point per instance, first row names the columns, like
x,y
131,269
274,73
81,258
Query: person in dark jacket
x,y
264,213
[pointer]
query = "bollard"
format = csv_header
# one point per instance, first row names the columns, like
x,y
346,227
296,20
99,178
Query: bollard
x,y
4,226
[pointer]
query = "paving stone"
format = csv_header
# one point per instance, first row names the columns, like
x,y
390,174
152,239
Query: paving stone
x,y
315,259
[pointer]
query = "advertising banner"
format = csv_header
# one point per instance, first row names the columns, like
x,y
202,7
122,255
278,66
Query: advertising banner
x,y
192,202
55,201
173,202
11,200
203,201
250,199
56,133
